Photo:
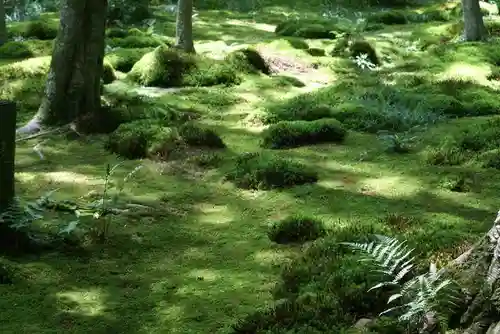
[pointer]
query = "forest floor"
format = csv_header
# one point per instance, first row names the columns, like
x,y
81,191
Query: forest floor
x,y
203,258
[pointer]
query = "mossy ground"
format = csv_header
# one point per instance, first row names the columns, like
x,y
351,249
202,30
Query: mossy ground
x,y
203,259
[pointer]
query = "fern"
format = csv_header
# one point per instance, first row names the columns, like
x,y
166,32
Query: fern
x,y
425,294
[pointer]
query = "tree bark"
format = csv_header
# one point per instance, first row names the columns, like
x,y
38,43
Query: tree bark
x,y
8,116
3,25
474,29
73,83
478,272
184,26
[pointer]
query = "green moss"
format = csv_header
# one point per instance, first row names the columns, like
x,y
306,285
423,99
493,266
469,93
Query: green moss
x,y
265,171
362,47
248,61
108,73
298,109
299,133
123,59
389,17
296,229
306,29
200,136
285,81
135,42
316,52
15,50
116,32
38,29
26,69
166,67
297,43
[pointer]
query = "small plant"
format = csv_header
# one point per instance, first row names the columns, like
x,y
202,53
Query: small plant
x,y
421,297
296,229
102,209
396,143
363,62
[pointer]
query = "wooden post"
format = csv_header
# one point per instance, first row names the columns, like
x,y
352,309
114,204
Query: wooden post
x,y
8,115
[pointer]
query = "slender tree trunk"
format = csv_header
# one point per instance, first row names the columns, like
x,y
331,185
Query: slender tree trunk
x,y
73,83
3,25
184,26
474,29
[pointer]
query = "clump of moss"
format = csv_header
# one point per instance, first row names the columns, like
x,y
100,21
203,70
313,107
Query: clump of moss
x,y
27,69
108,73
288,134
306,29
248,60
200,136
40,29
135,42
165,67
285,81
297,43
15,50
123,59
298,110
265,171
316,52
389,17
362,47
457,183
115,32
296,229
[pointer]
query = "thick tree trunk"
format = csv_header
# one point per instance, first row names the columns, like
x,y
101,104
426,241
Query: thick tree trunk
x,y
73,83
478,272
184,26
474,29
3,25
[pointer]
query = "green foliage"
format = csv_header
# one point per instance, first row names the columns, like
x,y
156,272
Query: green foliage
x,y
248,61
135,42
297,43
194,134
306,29
397,143
285,81
287,134
40,29
296,229
108,73
316,52
126,11
361,47
388,17
299,110
123,59
457,183
166,67
115,32
25,49
427,293
265,171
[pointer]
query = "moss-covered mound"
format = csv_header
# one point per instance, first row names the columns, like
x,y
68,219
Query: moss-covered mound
x,y
165,67
296,229
27,69
362,47
316,52
266,171
248,61
288,134
324,290
123,59
307,29
108,73
367,104
37,29
25,49
137,41
152,138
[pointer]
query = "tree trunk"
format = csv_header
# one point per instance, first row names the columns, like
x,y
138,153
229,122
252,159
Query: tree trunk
x,y
184,26
3,25
73,83
8,115
474,29
478,272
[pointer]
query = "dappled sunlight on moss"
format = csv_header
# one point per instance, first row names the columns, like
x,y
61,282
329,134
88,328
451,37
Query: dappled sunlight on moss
x,y
83,302
465,71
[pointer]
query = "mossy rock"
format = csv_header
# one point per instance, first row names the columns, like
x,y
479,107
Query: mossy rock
x,y
390,17
265,171
316,52
165,67
248,61
306,29
296,229
362,47
123,59
197,135
135,42
108,73
289,134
